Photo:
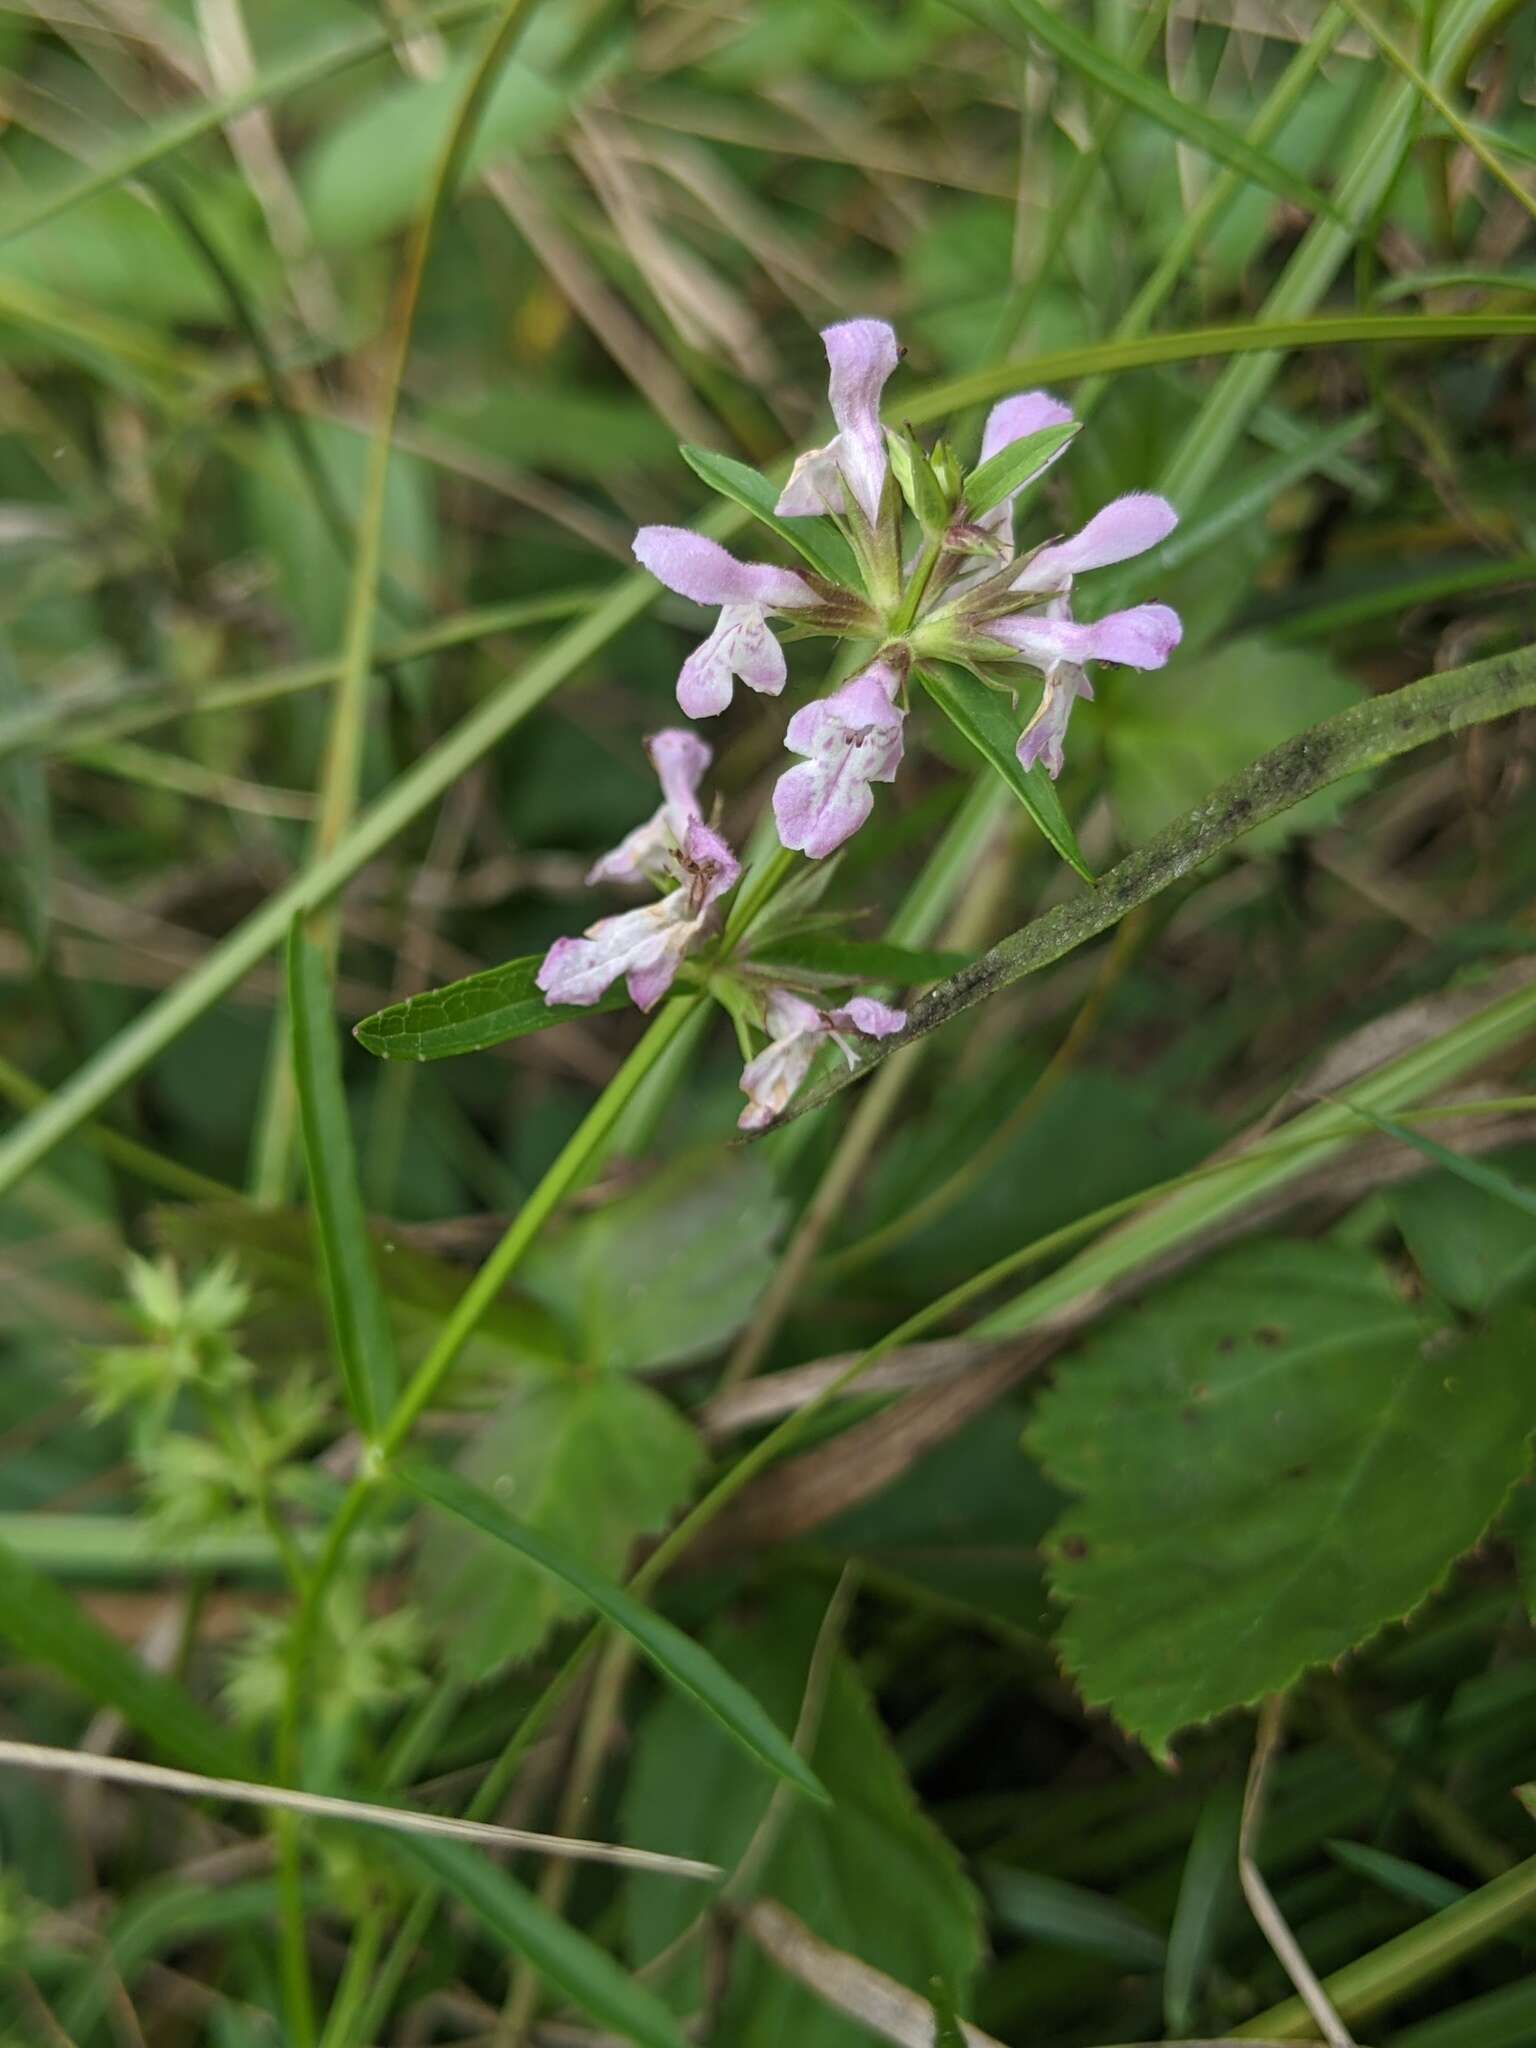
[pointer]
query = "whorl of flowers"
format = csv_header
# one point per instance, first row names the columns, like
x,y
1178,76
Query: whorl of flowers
x,y
962,595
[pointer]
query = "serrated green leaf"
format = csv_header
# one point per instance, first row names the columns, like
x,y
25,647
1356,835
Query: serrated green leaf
x,y
983,718
816,541
1273,1459
835,958
870,1872
561,1954
1086,54
690,1670
483,1010
364,1343
1012,466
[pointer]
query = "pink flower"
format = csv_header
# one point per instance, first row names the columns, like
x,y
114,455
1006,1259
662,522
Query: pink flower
x,y
741,644
861,355
646,946
796,1031
850,739
1057,645
648,853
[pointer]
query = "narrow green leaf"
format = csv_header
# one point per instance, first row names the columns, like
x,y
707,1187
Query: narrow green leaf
x,y
1039,24
844,959
46,1627
679,1659
1069,1916
26,845
982,717
468,1016
1475,1172
364,1340
563,1956
1207,1891
816,541
1013,466
1404,1880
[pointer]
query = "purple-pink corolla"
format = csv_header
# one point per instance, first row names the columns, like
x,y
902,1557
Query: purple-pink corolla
x,y
648,945
796,1032
861,354
850,739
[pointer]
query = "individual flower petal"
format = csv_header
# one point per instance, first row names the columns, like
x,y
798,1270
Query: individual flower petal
x,y
741,645
646,946
1142,637
1027,412
1128,526
869,1018
680,759
710,574
1042,739
861,355
771,1079
850,739
710,869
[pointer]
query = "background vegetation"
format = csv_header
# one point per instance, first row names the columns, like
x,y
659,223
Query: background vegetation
x,y
342,346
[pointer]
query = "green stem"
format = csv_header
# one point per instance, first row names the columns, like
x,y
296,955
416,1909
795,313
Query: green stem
x,y
1404,1965
1364,737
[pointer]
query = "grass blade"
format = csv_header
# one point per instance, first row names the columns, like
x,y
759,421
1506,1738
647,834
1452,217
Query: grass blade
x,y
1038,24
365,1343
1473,1171
46,1627
562,1955
677,1657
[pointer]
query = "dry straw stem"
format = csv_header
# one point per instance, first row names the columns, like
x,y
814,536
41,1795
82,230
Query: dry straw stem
x,y
35,1756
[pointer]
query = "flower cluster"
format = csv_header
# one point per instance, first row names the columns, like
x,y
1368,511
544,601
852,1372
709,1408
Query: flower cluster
x,y
963,595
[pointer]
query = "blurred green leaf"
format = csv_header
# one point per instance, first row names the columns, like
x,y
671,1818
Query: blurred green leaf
x,y
1087,55
869,1872
983,717
568,1960
1470,1241
1173,738
1404,1880
834,958
365,1344
366,175
691,1671
1208,1890
26,824
45,1626
1062,1915
472,1015
1273,1458
587,1463
668,1273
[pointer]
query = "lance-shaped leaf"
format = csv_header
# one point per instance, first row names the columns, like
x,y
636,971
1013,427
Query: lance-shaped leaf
x,y
677,1657
983,718
562,1955
1013,466
483,1010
